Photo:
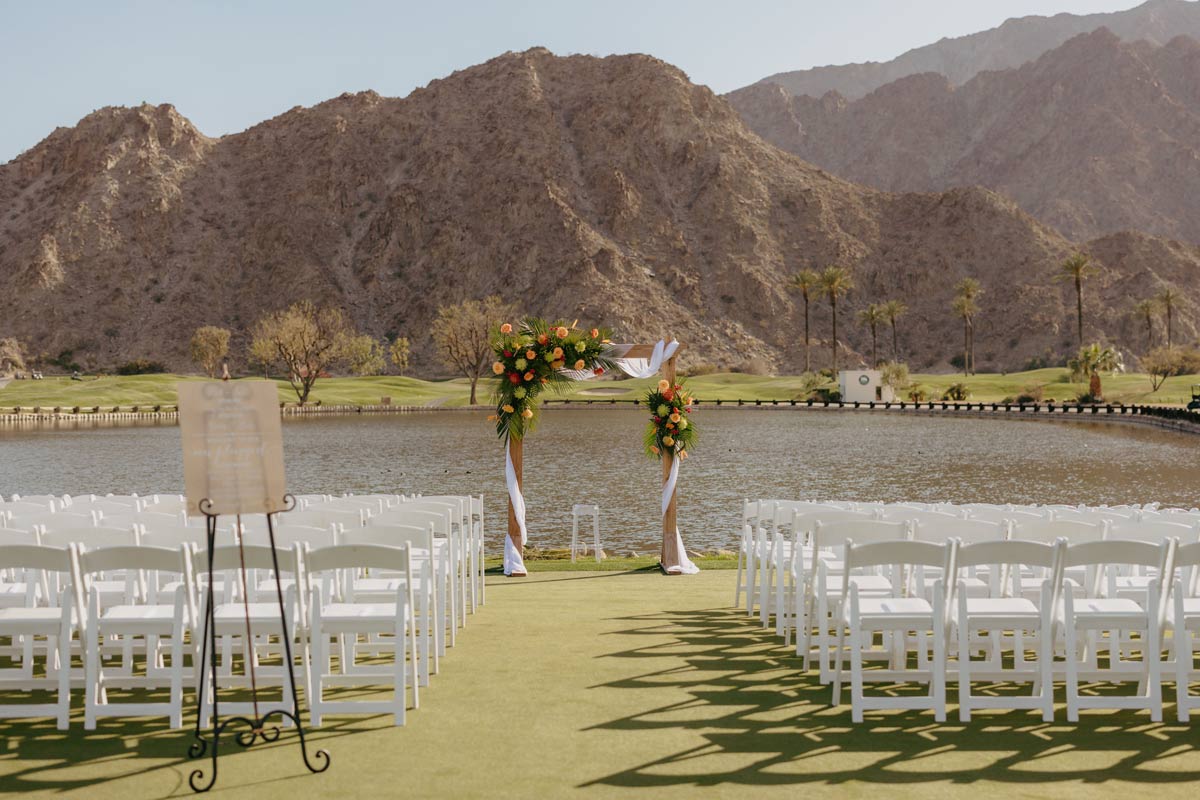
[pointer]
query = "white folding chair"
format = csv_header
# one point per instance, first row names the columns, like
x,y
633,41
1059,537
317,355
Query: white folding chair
x,y
47,629
1183,620
900,619
113,628
1011,621
1085,618
394,618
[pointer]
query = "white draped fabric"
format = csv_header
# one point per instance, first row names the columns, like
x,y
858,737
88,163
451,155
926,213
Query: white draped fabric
x,y
685,566
633,367
513,562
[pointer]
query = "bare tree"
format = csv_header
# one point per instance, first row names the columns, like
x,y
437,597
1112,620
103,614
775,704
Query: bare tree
x,y
307,341
462,335
209,346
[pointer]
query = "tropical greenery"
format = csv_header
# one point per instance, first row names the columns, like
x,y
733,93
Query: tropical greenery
x,y
670,429
537,355
872,316
1167,299
1077,269
892,311
805,281
836,282
1089,362
966,306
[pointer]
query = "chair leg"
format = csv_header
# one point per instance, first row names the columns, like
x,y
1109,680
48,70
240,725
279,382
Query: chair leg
x,y
964,670
1072,652
1153,656
857,638
320,642
1183,668
939,672
64,680
177,678
836,699
400,695
92,670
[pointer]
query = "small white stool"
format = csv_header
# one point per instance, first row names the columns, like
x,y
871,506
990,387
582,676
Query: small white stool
x,y
583,510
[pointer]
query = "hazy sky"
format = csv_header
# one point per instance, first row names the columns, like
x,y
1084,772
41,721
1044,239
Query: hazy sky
x,y
229,65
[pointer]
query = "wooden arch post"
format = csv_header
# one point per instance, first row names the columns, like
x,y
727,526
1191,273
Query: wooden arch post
x,y
669,553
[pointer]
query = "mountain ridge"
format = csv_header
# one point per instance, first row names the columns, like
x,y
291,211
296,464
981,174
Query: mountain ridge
x,y
613,190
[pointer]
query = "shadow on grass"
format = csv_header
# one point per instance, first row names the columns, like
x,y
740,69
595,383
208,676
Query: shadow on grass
x,y
762,721
38,757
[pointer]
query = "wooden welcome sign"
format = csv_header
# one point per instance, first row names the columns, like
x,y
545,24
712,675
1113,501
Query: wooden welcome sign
x,y
232,447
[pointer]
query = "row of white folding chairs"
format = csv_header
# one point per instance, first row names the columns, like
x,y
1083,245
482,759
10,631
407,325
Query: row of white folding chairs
x,y
798,562
762,519
885,609
328,599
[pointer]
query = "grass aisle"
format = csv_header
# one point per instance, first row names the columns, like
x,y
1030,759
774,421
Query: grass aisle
x,y
596,684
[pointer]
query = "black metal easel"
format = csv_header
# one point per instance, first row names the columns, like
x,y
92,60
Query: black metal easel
x,y
256,727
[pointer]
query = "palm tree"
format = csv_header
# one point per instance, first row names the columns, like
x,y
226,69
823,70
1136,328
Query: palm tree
x,y
1076,269
871,316
804,281
966,305
1146,310
1091,361
835,282
892,311
1167,298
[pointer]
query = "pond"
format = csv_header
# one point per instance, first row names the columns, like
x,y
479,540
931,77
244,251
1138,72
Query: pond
x,y
594,455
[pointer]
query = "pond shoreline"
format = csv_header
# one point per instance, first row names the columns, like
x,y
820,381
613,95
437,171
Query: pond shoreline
x,y
1161,417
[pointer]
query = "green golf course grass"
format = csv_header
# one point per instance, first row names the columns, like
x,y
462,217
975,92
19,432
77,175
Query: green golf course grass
x,y
151,390
626,684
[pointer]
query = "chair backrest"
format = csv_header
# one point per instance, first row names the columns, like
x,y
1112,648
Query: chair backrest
x,y
90,538
357,556
391,535
1050,530
1011,552
1005,514
351,504
835,534
903,514
139,560
61,519
230,557
173,536
11,536
22,508
289,535
32,556
1112,552
321,518
900,552
401,515
1155,531
930,529
807,524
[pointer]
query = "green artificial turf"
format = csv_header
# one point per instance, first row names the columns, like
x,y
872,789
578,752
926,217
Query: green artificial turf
x,y
150,390
627,685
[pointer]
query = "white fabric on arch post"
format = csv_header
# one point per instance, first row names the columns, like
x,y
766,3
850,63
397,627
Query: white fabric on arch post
x,y
513,561
685,566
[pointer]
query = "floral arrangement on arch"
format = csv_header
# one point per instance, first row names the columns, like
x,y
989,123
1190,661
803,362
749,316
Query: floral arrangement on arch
x,y
670,430
538,355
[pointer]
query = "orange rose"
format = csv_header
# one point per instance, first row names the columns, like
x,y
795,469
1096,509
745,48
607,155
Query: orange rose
x,y
530,354
527,413
561,332
506,328
528,376
507,408
579,364
558,353
663,386
543,338
595,333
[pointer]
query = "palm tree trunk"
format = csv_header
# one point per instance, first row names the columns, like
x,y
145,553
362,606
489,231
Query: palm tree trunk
x,y
1168,327
895,349
966,346
807,361
971,326
874,348
1150,333
833,306
1079,308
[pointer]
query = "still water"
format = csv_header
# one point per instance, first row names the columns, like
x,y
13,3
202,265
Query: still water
x,y
594,456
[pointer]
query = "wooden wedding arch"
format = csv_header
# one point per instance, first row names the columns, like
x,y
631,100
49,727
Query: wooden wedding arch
x,y
669,555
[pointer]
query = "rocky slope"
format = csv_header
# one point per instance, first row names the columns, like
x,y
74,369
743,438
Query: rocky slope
x,y
1096,136
1004,47
612,190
